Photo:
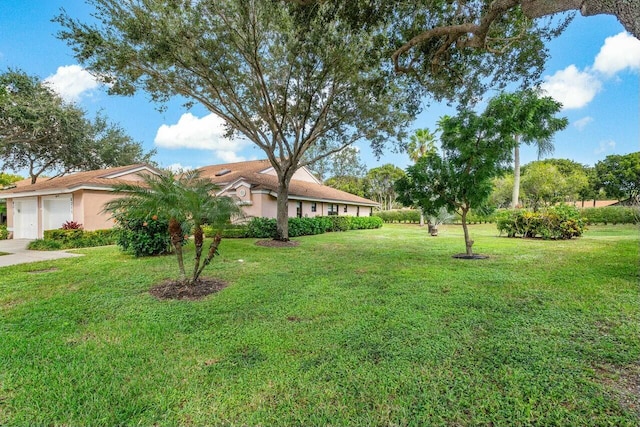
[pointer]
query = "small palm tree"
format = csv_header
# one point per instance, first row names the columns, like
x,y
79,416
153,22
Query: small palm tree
x,y
188,201
421,143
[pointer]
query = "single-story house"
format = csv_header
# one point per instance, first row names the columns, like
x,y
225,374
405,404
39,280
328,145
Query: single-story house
x,y
80,197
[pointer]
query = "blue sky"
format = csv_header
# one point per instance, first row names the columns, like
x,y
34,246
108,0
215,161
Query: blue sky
x,y
593,70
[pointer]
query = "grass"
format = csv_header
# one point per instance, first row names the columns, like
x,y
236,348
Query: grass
x,y
372,327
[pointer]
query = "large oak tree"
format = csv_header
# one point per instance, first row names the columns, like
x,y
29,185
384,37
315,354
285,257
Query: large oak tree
x,y
287,77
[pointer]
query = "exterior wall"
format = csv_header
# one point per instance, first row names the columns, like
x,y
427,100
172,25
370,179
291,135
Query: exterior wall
x,y
9,214
93,203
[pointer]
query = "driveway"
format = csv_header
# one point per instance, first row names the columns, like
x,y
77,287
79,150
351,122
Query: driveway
x,y
17,248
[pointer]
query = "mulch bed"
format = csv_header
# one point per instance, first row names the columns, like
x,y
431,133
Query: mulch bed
x,y
465,256
176,290
277,243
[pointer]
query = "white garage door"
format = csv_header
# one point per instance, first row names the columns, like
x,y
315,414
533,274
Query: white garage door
x,y
25,218
56,211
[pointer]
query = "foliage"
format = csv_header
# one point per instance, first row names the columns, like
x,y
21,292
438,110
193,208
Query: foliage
x,y
502,192
71,225
557,222
142,236
380,185
611,215
411,216
350,184
285,76
40,132
73,238
186,202
421,143
7,179
619,175
542,184
473,154
512,341
4,233
265,227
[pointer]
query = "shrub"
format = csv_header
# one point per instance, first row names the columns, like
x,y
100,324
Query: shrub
x,y
261,228
231,231
266,227
399,215
4,233
611,215
142,236
73,238
559,222
71,225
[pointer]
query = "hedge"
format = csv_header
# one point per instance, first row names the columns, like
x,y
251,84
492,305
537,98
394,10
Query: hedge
x,y
399,215
76,238
4,233
265,228
611,215
558,222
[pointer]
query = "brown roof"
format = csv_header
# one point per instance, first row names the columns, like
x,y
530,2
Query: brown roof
x,y
95,178
595,203
250,172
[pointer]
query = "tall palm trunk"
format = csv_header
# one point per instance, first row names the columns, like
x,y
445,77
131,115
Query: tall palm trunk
x,y
515,196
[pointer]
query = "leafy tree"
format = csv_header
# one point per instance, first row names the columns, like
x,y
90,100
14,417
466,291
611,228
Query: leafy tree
x,y
187,202
8,179
542,183
421,143
39,132
350,184
502,191
530,119
380,185
619,175
286,76
473,153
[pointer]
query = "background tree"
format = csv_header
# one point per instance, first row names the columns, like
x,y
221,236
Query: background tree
x,y
619,175
473,153
188,202
40,133
502,192
542,183
421,143
286,76
380,185
529,119
8,179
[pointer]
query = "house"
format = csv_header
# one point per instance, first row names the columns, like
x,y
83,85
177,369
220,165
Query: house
x,y
80,197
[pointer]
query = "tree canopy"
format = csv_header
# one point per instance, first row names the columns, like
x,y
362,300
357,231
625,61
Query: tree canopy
x,y
619,175
40,133
286,76
380,185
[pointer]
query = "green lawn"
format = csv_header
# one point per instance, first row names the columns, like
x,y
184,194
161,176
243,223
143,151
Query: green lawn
x,y
372,327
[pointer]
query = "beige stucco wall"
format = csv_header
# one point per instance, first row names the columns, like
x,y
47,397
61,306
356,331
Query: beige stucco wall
x,y
93,203
10,214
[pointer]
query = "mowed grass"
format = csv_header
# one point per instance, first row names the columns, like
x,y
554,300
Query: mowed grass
x,y
372,327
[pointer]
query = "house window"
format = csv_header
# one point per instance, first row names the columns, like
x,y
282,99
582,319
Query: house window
x,y
371,212
357,210
299,210
345,208
314,207
332,209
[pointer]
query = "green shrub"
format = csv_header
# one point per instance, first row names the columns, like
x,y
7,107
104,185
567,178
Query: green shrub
x,y
4,233
558,222
74,238
45,245
261,228
228,232
266,227
365,222
611,215
399,215
142,236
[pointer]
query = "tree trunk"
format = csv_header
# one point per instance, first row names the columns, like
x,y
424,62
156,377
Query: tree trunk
x,y
198,239
282,215
213,251
515,196
422,219
175,233
467,241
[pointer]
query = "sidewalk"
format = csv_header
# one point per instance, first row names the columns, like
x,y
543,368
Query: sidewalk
x,y
17,248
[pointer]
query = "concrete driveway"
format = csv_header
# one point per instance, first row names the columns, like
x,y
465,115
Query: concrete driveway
x,y
17,248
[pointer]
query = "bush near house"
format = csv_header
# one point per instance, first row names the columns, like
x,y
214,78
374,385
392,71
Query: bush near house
x,y
142,236
73,238
411,216
558,222
265,228
4,233
611,215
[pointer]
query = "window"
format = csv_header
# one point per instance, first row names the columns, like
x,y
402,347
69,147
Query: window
x,y
371,212
332,209
345,208
299,210
314,207
357,210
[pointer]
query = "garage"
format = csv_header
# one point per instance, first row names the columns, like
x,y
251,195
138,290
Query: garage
x,y
25,218
56,210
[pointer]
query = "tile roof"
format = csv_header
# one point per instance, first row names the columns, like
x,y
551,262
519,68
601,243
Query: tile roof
x,y
250,172
95,178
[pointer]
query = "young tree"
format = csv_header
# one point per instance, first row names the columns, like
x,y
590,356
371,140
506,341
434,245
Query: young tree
x,y
421,143
286,76
530,119
41,133
473,153
188,202
380,185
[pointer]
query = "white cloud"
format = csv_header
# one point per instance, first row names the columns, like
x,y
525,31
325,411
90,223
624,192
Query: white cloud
x,y
583,122
71,82
605,146
618,53
206,133
177,167
571,87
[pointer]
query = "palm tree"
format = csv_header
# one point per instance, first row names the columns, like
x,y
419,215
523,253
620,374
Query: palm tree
x,y
529,119
188,201
421,143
